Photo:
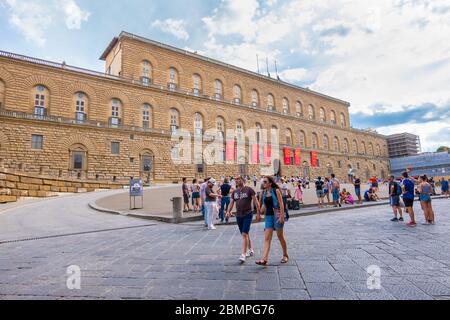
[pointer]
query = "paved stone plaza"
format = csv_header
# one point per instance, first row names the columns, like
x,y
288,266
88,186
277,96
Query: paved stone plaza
x,y
125,258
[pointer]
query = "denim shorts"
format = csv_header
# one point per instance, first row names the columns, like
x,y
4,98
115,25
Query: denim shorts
x,y
272,224
244,223
395,201
335,195
320,193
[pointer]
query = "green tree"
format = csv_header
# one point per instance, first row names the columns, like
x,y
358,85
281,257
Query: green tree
x,y
443,149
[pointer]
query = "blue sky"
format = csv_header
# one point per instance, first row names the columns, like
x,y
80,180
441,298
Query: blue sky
x,y
390,58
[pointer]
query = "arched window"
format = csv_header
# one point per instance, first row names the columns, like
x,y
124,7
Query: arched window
x,y
285,106
146,72
333,117
218,90
336,144
237,92
378,150
343,122
255,98
314,141
2,94
270,102
258,127
346,146
311,113
173,79
289,138
355,147
198,124
240,129
371,149
197,84
41,99
298,109
302,137
363,148
220,126
116,112
326,142
81,106
147,116
322,115
174,120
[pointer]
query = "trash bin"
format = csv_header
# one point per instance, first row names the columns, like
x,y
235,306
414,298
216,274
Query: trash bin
x,y
177,203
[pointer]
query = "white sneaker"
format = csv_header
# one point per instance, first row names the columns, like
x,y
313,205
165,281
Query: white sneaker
x,y
212,228
242,258
250,253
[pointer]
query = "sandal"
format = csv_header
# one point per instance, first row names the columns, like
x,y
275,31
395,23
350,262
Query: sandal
x,y
285,260
261,262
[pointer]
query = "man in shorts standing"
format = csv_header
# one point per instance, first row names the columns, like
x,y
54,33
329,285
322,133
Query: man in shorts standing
x,y
319,192
408,198
243,197
394,195
357,184
445,188
335,189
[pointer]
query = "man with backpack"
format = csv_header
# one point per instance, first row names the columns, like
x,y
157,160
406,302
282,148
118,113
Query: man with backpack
x,y
395,191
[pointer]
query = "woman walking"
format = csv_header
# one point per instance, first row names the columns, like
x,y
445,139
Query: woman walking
x,y
273,208
196,195
425,191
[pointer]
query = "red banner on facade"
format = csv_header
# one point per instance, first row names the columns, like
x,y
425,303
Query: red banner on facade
x,y
287,156
231,154
255,154
313,159
267,154
297,157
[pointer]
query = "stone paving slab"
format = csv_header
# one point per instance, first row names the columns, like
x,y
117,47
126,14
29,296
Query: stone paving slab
x,y
329,257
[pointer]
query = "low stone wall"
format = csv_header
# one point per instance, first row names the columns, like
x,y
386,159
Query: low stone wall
x,y
15,185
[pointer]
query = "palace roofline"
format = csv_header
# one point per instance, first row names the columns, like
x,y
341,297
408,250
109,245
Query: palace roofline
x,y
125,34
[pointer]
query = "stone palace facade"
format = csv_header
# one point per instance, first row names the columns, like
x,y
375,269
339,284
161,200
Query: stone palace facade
x,y
63,121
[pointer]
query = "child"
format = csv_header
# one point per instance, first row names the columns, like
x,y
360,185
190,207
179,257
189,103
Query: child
x,y
299,193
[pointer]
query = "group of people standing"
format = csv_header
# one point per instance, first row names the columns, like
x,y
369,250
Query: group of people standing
x,y
407,189
218,202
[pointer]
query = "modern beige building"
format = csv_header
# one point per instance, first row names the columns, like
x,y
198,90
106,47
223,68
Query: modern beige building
x,y
64,121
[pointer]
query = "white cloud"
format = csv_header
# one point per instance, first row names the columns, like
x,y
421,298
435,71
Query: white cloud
x,y
33,18
74,15
176,28
295,75
392,53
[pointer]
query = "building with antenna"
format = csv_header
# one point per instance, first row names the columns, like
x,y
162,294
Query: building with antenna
x,y
60,120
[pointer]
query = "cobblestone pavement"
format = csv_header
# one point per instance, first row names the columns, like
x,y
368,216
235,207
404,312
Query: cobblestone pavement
x,y
329,254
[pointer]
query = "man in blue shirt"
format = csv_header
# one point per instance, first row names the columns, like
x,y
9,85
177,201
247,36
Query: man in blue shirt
x,y
444,188
408,198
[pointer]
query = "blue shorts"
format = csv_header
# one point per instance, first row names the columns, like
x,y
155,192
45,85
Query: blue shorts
x,y
335,195
395,201
320,193
244,223
358,192
272,224
444,189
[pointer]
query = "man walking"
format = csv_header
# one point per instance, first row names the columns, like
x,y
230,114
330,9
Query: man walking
x,y
202,197
225,202
444,188
408,198
243,197
394,194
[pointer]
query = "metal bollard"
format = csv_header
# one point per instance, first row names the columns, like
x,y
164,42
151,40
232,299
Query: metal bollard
x,y
177,203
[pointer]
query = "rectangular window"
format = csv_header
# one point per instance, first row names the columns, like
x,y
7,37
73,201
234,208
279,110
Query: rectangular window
x,y
78,160
37,142
115,148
